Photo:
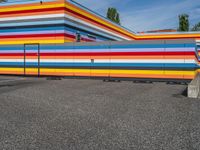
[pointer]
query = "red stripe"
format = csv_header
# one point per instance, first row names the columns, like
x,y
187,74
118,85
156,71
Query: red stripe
x,y
87,40
31,11
33,35
37,35
44,35
70,35
117,53
101,54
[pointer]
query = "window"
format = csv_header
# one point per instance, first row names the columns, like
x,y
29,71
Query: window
x,y
78,37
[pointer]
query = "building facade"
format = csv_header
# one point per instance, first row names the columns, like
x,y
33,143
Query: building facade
x,y
39,38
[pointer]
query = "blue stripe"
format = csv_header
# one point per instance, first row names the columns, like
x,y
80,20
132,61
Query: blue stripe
x,y
21,47
35,64
138,46
67,48
32,23
103,64
33,29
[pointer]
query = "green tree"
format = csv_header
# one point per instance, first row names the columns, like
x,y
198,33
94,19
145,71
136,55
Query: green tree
x,y
183,22
113,15
3,1
196,27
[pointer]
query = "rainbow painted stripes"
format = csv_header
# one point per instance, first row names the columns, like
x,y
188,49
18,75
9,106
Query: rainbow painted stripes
x,y
37,39
173,59
58,21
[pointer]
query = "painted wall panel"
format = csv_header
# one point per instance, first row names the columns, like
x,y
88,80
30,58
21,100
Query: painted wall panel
x,y
22,18
143,59
54,25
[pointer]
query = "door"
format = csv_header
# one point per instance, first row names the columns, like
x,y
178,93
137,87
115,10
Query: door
x,y
32,59
100,60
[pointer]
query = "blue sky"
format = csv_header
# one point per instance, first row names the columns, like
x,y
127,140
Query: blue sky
x,y
143,15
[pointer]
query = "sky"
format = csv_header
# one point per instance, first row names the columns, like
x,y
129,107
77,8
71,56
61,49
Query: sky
x,y
144,15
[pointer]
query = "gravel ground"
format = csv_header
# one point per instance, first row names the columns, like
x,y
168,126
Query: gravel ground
x,y
77,114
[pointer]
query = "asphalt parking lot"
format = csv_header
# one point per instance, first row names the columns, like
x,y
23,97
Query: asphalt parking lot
x,y
72,114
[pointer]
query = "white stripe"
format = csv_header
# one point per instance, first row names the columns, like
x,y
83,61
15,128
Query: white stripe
x,y
147,61
103,60
32,32
65,60
31,17
31,60
190,61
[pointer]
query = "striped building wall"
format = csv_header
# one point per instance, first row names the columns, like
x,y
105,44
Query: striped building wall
x,y
58,21
37,39
171,59
52,21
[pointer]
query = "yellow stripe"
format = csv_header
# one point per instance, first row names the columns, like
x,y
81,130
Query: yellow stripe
x,y
11,69
145,72
167,36
32,7
33,41
88,72
168,72
152,72
32,70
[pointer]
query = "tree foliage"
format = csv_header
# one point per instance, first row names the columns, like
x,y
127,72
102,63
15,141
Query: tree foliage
x,y
2,1
196,27
113,15
183,22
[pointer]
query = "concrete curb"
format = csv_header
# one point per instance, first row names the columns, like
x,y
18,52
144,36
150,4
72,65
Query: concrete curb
x,y
10,81
194,87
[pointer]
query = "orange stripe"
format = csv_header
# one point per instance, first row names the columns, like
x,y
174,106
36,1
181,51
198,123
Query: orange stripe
x,y
147,76
188,77
33,4
12,72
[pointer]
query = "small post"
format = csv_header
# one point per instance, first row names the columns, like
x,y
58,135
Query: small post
x,y
194,87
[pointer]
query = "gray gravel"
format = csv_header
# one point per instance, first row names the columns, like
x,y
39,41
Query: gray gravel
x,y
74,114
